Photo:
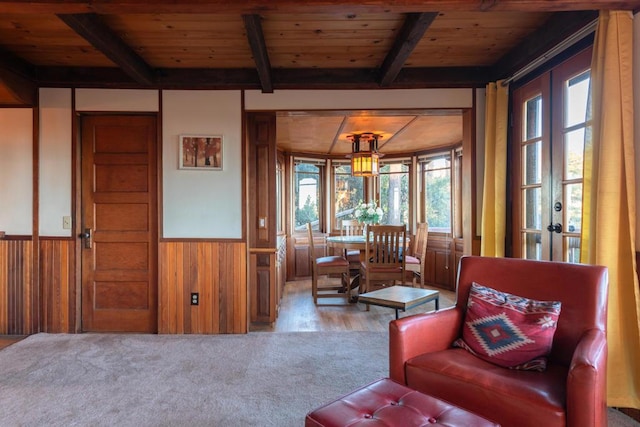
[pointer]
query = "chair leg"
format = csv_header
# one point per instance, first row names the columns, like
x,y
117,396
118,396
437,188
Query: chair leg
x,y
347,290
314,286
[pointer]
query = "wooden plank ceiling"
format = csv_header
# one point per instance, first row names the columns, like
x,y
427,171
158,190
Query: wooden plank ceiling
x,y
281,44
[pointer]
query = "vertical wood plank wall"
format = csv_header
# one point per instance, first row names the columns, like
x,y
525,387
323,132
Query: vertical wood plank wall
x,y
18,293
215,270
57,277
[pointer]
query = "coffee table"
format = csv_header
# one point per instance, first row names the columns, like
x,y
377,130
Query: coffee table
x,y
400,297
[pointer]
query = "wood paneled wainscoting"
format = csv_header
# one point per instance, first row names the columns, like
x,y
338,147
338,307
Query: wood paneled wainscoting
x,y
217,271
57,279
18,290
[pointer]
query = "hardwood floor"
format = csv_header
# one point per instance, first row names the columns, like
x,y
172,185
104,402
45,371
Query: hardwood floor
x,y
298,313
7,340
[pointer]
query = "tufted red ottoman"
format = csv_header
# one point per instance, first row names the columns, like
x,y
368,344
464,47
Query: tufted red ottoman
x,y
388,403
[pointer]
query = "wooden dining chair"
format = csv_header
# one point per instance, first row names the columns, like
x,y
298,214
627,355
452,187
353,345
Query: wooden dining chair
x,y
325,266
352,227
384,261
416,258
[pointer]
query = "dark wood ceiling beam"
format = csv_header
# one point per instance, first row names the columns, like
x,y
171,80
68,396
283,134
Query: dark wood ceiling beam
x,y
310,6
409,36
259,50
207,78
18,77
23,91
17,65
93,29
557,29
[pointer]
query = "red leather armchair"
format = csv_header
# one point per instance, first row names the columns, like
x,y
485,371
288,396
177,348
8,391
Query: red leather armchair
x,y
572,390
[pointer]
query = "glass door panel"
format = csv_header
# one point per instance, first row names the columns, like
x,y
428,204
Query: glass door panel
x,y
550,123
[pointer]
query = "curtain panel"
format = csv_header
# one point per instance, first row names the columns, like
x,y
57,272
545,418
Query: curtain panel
x,y
494,197
609,205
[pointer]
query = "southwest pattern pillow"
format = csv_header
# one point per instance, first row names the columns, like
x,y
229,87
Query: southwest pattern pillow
x,y
509,330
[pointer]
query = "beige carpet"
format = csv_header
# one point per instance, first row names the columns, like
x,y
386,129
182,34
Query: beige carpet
x,y
259,379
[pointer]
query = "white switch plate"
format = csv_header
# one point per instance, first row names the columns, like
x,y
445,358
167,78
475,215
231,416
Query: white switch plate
x,y
66,222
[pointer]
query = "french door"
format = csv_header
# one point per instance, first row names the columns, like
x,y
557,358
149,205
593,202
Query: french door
x,y
549,128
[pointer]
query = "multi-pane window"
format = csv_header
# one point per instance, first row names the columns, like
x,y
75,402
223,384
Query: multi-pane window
x,y
348,192
394,193
550,125
574,129
307,190
279,197
436,190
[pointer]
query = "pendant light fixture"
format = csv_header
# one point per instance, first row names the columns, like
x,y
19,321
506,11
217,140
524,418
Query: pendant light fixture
x,y
364,162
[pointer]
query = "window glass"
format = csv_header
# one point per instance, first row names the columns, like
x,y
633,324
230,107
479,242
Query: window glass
x,y
576,99
437,193
533,118
394,193
307,195
279,201
349,191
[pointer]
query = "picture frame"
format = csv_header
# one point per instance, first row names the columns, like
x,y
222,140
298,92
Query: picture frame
x,y
200,152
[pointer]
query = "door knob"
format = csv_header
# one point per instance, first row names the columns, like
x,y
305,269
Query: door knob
x,y
555,227
86,236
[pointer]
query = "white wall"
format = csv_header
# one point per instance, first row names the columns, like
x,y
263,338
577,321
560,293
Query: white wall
x,y
16,175
202,203
55,161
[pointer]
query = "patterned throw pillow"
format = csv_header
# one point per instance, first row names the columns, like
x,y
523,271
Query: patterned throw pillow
x,y
509,330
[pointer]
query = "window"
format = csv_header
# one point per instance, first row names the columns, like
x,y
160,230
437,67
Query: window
x,y
307,190
279,196
348,192
394,193
550,124
436,192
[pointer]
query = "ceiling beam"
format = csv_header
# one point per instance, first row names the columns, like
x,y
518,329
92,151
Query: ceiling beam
x,y
410,35
309,6
17,65
559,28
285,78
259,50
91,27
23,91
18,76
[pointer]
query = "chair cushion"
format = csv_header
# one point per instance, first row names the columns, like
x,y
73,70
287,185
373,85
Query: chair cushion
x,y
411,260
331,261
509,330
353,256
455,375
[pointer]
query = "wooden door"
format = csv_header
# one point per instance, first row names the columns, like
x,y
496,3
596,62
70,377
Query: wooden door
x,y
550,123
119,249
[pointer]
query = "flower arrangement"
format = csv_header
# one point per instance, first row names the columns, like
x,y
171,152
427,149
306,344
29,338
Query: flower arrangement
x,y
368,213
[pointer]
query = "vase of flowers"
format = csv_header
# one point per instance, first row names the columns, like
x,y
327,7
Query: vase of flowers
x,y
368,213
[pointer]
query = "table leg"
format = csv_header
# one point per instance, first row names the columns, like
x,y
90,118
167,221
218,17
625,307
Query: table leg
x,y
437,303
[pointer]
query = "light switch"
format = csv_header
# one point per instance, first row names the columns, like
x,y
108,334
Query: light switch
x,y
262,222
66,222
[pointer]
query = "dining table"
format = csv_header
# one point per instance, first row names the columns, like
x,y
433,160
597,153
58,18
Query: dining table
x,y
353,242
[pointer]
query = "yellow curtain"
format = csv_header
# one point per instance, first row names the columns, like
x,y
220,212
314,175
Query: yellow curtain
x,y
495,171
609,207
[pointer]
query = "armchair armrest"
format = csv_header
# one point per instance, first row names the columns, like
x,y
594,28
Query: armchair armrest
x,y
587,381
422,333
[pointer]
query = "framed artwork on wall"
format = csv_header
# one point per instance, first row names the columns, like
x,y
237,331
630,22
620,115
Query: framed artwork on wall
x,y
200,152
